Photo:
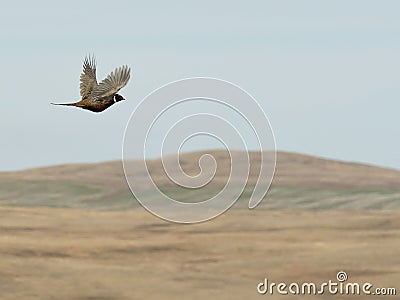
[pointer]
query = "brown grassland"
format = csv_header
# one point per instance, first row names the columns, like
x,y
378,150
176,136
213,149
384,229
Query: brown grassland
x,y
62,238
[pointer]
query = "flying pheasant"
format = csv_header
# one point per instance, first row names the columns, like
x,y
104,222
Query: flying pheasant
x,y
98,97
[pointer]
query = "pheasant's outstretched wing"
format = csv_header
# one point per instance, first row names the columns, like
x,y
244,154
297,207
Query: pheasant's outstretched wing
x,y
88,77
112,83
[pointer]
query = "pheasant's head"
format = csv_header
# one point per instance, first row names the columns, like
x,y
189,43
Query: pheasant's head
x,y
118,98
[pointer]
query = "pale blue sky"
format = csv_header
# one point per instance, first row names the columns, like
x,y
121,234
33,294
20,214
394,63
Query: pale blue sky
x,y
327,73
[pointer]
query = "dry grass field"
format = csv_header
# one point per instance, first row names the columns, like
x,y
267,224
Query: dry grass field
x,y
75,232
73,254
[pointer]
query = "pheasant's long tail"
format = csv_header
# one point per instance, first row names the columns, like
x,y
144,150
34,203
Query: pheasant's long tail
x,y
66,104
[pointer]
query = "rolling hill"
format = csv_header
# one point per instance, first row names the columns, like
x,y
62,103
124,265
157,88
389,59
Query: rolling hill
x,y
300,181
110,248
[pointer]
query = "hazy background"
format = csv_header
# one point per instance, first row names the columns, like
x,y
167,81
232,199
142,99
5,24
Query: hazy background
x,y
326,73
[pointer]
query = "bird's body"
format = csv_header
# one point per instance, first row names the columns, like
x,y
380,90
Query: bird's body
x,y
94,106
98,97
